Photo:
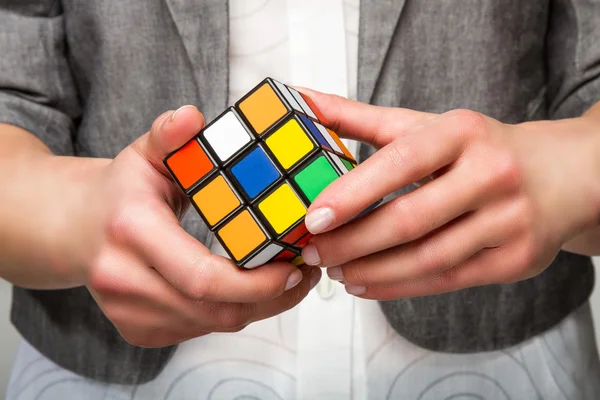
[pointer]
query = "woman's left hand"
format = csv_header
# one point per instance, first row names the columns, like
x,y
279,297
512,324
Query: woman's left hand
x,y
504,199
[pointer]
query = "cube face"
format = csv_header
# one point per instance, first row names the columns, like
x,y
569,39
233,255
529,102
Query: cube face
x,y
253,172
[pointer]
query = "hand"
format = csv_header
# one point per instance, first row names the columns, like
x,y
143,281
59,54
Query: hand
x,y
503,201
155,282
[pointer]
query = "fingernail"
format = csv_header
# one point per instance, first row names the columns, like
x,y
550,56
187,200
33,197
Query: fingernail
x,y
319,220
355,290
293,280
177,111
335,273
310,255
315,277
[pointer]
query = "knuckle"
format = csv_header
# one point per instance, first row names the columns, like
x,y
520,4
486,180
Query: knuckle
x,y
159,121
101,276
404,222
445,280
508,172
524,215
529,253
401,156
122,223
201,285
196,289
429,258
234,316
471,123
331,250
525,260
354,274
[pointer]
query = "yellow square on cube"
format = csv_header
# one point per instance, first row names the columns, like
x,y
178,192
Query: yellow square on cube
x,y
290,144
282,208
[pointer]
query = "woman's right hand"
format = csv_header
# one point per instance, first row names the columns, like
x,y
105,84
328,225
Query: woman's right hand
x,y
155,282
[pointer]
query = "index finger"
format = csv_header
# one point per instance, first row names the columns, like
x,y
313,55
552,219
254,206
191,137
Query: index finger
x,y
374,125
197,273
397,165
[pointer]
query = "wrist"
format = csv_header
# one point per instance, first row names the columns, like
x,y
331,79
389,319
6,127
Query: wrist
x,y
565,152
71,195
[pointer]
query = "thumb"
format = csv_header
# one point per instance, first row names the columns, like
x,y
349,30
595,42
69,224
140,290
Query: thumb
x,y
169,132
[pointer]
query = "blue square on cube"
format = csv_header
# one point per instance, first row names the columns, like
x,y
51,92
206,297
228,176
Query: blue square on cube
x,y
255,172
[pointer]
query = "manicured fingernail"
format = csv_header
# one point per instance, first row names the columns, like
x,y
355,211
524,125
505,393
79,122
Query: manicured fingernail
x,y
335,273
314,279
355,290
319,220
177,111
293,280
310,255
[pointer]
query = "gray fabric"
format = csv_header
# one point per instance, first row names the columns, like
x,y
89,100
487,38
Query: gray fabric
x,y
89,77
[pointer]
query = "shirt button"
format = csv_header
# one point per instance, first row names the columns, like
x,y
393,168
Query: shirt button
x,y
326,288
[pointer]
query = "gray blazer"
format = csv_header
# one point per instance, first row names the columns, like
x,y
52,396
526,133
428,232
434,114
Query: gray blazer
x,y
88,77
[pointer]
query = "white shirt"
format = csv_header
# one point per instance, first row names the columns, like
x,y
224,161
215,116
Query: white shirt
x,y
311,43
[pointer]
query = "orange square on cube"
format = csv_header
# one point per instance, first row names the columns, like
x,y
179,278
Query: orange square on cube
x,y
216,200
263,108
242,235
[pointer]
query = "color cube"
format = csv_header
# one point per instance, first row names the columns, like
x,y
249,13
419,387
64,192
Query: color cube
x,y
252,172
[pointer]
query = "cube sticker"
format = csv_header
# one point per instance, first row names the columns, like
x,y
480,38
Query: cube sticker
x,y
190,164
315,177
262,108
242,235
264,256
226,135
290,143
253,172
216,200
282,208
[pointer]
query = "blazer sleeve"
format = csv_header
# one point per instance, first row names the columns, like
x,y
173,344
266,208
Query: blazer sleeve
x,y
37,92
573,57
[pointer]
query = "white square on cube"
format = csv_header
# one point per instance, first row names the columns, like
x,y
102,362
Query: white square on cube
x,y
227,136
261,258
328,138
307,110
288,96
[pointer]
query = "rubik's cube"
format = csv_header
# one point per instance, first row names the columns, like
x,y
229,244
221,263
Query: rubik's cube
x,y
252,172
